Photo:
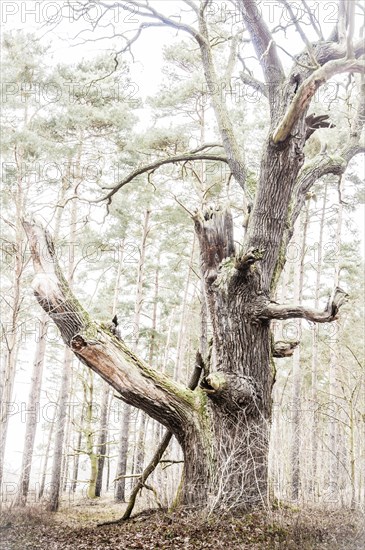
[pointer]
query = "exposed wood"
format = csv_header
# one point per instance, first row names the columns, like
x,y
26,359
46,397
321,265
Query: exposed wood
x,y
94,345
224,425
156,459
307,90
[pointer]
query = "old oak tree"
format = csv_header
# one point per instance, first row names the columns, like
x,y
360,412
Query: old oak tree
x,y
223,425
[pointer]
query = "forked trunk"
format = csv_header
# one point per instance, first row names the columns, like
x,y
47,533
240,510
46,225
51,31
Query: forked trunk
x,y
228,466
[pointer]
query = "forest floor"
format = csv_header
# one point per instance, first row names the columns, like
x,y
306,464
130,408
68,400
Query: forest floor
x,y
76,528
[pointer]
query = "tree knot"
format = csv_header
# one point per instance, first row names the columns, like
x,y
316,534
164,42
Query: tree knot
x,y
78,343
253,255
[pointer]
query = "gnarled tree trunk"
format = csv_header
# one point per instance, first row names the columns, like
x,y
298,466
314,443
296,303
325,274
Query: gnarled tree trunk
x,y
223,426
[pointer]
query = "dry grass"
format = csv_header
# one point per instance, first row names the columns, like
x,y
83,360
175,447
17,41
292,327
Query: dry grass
x,y
283,529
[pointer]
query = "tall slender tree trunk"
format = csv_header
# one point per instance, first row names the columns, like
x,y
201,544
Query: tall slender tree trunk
x,y
124,435
55,483
76,461
103,438
181,348
46,457
314,433
33,412
103,428
297,414
54,493
333,374
123,453
89,433
140,454
66,447
12,334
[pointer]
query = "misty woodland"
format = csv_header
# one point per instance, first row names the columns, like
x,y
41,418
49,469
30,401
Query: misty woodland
x,y
182,290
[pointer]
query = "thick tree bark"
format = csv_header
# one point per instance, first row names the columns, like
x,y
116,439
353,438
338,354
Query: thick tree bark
x,y
239,389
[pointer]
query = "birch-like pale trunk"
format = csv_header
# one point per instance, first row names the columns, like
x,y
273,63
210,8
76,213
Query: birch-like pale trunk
x,y
33,411
313,485
181,347
300,239
89,433
333,374
140,450
78,443
42,483
53,494
103,438
12,332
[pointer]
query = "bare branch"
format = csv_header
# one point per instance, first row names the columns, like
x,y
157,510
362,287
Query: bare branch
x,y
248,78
314,122
302,34
192,5
342,21
322,165
264,44
234,154
315,23
156,459
192,156
307,90
146,10
288,311
256,84
350,28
